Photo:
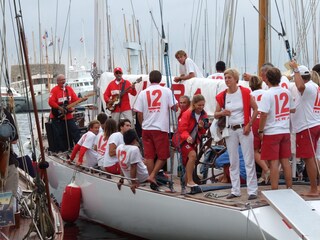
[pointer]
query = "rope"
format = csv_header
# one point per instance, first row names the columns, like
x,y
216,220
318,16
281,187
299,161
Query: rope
x,y
215,195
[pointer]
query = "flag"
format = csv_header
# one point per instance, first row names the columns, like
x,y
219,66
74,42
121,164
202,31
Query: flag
x,y
45,35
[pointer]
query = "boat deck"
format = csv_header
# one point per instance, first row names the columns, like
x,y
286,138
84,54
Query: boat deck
x,y
20,230
214,193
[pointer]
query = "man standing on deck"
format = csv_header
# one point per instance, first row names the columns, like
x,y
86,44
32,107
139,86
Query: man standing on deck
x,y
220,68
153,106
116,97
65,131
187,68
306,122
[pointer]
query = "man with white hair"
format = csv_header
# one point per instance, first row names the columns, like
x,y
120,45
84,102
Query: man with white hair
x,y
306,122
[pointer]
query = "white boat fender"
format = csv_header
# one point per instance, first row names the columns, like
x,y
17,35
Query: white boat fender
x,y
70,204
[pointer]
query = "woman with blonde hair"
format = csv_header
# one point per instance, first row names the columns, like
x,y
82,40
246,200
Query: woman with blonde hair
x,y
241,108
193,124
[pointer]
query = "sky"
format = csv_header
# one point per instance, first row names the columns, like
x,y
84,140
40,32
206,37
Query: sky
x,y
179,16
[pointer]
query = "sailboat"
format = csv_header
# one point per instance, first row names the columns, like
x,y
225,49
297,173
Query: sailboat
x,y
38,216
202,213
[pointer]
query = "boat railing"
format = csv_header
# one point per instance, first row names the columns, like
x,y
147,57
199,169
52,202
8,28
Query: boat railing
x,y
100,172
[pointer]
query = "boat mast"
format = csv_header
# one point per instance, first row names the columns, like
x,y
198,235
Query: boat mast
x,y
34,49
263,29
126,36
108,37
43,164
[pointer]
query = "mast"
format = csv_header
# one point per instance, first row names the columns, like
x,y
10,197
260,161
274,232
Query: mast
x,y
43,164
140,52
34,49
108,37
244,45
126,36
83,41
47,60
263,29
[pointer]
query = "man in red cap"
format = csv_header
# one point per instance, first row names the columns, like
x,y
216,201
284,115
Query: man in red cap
x,y
116,96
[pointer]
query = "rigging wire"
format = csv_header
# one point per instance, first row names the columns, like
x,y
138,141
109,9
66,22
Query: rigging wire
x,y
65,31
283,34
172,117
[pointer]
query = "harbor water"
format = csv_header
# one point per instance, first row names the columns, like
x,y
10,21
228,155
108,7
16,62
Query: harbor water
x,y
81,229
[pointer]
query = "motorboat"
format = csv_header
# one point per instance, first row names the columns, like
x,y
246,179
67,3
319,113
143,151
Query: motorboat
x,y
20,102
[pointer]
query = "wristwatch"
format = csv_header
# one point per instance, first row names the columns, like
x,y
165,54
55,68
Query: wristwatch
x,y
260,131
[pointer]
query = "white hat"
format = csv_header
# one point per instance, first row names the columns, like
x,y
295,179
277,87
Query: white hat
x,y
303,70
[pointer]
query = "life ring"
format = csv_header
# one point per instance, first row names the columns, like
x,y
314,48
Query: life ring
x,y
70,204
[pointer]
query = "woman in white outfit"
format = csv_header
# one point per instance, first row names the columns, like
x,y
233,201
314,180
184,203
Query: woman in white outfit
x,y
237,103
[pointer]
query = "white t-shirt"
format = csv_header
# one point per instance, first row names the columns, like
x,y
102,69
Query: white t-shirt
x,y
284,82
234,103
129,154
155,103
87,140
276,102
117,139
188,67
217,76
257,95
307,107
101,147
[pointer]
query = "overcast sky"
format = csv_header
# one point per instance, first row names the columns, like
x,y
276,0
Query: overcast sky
x,y
178,15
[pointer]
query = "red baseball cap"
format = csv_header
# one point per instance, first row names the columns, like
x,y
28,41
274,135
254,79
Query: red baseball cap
x,y
117,69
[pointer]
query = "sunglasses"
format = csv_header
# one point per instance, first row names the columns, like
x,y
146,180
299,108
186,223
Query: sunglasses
x,y
118,72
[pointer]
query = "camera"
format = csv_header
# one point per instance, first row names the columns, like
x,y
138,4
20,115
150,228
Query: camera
x,y
205,123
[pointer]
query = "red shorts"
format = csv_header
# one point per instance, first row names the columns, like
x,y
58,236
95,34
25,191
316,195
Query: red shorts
x,y
185,149
303,142
256,138
114,169
155,143
276,147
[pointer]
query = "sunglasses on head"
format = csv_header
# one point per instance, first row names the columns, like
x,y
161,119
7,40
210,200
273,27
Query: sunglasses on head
x,y
118,72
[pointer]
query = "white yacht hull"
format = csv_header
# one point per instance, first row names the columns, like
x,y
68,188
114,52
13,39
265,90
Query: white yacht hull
x,y
153,215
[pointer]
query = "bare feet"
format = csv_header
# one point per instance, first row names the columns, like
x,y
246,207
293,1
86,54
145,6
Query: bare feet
x,y
310,194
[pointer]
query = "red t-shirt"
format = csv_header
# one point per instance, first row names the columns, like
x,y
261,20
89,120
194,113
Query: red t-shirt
x,y
114,89
58,96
